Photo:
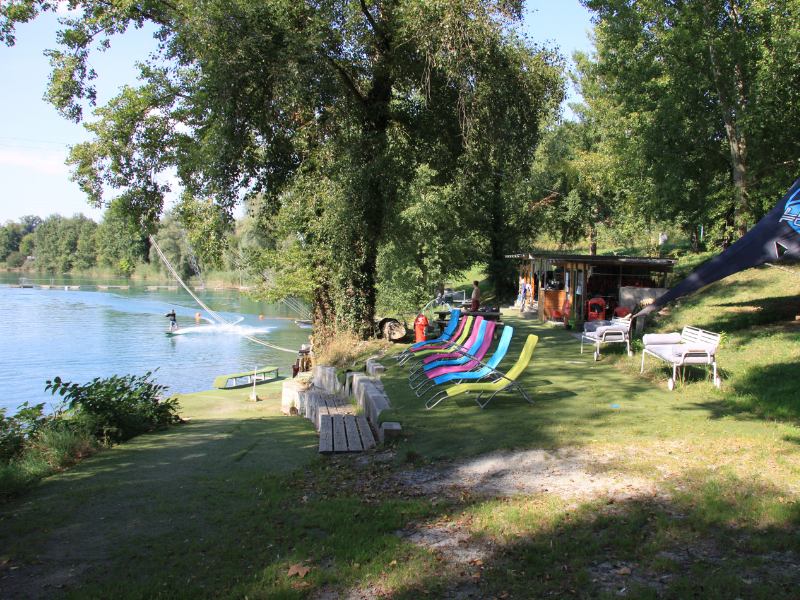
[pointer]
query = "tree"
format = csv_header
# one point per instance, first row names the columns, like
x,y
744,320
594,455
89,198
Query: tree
x,y
121,241
258,97
699,95
60,243
27,245
10,236
171,238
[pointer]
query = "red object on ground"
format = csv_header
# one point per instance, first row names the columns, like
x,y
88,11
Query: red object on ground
x,y
420,324
597,310
563,314
622,311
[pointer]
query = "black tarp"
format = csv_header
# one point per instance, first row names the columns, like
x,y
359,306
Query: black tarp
x,y
775,237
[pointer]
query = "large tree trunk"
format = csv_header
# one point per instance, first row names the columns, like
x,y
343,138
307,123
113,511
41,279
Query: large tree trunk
x,y
374,192
502,272
733,100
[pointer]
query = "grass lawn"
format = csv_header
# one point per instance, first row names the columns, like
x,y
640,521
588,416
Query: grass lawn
x,y
237,503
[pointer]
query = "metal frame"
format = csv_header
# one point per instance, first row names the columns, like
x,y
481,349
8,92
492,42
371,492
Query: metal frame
x,y
610,336
696,356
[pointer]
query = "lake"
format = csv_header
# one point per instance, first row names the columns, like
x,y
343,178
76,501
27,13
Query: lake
x,y
87,333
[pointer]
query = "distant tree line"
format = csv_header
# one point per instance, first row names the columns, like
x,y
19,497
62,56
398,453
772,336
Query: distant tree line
x,y
58,244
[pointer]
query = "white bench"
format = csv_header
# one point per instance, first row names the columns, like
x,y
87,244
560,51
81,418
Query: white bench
x,y
693,346
615,331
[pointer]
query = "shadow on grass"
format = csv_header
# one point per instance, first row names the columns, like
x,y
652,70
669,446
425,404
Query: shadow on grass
x,y
715,537
769,392
142,499
736,316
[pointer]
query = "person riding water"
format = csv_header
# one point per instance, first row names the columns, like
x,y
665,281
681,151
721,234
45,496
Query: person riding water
x,y
173,320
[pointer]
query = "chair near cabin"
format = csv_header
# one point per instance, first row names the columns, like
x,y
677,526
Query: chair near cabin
x,y
596,310
563,314
622,311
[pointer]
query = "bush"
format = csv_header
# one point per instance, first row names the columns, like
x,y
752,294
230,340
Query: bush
x,y
15,259
34,445
14,431
119,407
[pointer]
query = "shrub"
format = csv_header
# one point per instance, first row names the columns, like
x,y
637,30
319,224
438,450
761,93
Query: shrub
x,y
15,260
345,349
15,430
118,408
34,445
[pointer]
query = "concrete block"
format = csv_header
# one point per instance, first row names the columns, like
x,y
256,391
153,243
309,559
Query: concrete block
x,y
370,396
374,368
325,379
290,396
389,430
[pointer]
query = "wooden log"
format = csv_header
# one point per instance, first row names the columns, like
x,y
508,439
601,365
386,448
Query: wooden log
x,y
367,439
326,435
353,438
339,435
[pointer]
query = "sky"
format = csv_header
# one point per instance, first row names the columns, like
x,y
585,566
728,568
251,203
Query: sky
x,y
34,138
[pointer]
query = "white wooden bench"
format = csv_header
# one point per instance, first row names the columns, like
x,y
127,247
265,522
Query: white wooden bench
x,y
693,346
615,331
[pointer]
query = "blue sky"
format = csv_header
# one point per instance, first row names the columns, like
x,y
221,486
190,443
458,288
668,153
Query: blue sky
x,y
34,138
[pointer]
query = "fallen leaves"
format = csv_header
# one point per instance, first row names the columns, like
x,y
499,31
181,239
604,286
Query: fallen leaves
x,y
298,570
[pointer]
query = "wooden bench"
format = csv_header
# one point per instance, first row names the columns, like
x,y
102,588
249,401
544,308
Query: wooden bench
x,y
240,380
339,429
693,346
344,433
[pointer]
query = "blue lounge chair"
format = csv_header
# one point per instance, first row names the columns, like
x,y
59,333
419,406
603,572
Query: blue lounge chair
x,y
474,347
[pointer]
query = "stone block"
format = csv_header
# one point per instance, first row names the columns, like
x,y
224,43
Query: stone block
x,y
325,379
374,368
370,396
389,430
290,391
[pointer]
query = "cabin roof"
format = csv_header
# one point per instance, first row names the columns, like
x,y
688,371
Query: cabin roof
x,y
655,264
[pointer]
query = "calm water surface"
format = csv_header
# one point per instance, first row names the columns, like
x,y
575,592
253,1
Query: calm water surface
x,y
86,333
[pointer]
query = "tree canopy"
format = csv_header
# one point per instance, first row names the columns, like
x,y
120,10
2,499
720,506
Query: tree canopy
x,y
698,106
325,110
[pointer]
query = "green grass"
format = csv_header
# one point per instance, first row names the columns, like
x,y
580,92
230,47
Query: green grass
x,y
227,504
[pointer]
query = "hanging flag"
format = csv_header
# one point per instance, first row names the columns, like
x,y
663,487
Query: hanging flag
x,y
775,237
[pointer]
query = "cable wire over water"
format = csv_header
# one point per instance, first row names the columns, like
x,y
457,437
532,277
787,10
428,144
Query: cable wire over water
x,y
214,315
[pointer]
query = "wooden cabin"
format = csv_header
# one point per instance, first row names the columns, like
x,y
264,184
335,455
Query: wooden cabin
x,y
548,279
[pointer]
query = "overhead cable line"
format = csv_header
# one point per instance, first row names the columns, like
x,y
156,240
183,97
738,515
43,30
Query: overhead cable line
x,y
214,315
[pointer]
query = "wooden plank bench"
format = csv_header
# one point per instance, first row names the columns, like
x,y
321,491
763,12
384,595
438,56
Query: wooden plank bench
x,y
344,433
340,430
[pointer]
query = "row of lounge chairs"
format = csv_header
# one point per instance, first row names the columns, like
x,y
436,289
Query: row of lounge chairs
x,y
457,357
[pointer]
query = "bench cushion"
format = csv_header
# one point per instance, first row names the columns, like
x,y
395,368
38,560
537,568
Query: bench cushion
x,y
655,339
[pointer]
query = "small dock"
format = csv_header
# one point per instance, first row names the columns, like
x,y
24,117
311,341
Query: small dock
x,y
340,429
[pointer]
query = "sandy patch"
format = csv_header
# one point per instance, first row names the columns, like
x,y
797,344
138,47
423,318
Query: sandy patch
x,y
567,473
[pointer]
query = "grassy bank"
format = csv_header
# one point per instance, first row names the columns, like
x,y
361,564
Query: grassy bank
x,y
607,485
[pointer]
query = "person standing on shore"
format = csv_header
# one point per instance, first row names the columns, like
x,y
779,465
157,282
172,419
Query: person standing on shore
x,y
476,296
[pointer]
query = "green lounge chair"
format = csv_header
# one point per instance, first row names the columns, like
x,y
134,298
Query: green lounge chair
x,y
507,381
